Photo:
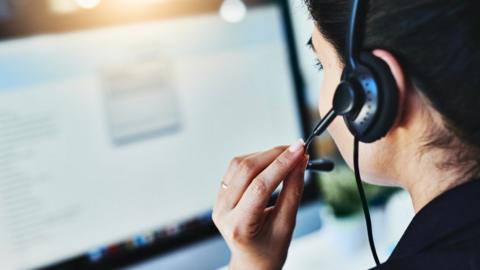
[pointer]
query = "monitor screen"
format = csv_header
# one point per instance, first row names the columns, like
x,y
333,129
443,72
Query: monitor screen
x,y
122,133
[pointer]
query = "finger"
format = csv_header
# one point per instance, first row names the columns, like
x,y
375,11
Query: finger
x,y
289,199
258,193
246,172
246,167
232,166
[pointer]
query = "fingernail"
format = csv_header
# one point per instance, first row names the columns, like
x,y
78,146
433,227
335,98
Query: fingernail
x,y
296,146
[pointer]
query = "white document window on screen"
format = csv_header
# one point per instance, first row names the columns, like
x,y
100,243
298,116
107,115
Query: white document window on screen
x,y
140,100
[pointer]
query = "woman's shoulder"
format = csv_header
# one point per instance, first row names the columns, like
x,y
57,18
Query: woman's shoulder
x,y
456,253
445,234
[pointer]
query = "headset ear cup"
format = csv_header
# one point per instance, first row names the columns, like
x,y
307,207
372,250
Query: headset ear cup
x,y
388,106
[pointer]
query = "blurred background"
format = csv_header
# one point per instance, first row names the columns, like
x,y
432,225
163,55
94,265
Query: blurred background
x,y
118,119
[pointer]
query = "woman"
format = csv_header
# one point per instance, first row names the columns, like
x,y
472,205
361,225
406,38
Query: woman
x,y
432,48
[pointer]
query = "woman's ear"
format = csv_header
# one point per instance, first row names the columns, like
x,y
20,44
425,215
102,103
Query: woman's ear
x,y
399,76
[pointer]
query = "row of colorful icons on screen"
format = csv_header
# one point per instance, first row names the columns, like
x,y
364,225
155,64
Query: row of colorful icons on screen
x,y
143,240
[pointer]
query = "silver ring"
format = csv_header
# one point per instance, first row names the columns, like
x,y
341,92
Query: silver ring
x,y
224,185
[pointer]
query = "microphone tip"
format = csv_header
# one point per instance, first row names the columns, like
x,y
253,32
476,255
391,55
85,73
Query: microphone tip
x,y
321,165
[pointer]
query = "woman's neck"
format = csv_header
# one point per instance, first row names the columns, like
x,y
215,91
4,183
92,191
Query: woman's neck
x,y
424,180
418,168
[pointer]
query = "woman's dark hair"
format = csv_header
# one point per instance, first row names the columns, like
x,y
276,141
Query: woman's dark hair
x,y
437,42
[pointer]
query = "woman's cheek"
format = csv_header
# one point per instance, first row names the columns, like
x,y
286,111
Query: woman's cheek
x,y
327,90
372,162
337,130
343,139
324,105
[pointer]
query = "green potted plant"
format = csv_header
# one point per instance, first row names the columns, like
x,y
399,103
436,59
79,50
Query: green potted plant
x,y
341,214
339,191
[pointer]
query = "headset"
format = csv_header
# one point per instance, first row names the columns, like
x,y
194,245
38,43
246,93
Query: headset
x,y
366,98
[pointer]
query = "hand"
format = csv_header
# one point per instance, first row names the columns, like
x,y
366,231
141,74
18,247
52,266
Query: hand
x,y
257,235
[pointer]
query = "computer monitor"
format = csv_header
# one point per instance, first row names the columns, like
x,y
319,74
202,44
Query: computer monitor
x,y
115,132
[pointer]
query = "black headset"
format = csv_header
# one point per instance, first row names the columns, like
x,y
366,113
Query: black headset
x,y
366,98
